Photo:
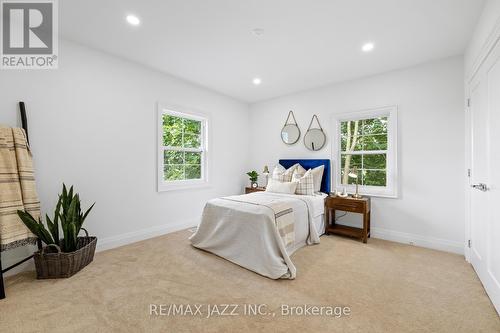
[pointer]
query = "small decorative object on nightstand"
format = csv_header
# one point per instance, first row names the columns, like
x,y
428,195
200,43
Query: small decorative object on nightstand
x,y
254,189
349,204
266,173
253,175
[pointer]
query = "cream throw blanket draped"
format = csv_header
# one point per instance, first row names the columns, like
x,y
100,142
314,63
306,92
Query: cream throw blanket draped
x,y
284,217
17,188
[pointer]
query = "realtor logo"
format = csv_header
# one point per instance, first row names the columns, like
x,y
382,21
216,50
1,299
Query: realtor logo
x,y
29,34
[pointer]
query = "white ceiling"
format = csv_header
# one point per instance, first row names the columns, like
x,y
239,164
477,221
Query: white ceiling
x,y
305,44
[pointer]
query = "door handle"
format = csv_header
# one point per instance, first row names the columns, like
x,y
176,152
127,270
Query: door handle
x,y
481,187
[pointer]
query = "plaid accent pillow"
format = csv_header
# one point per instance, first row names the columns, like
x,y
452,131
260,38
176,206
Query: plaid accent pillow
x,y
305,184
282,175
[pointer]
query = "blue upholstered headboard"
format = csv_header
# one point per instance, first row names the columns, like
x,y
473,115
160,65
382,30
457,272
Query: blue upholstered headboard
x,y
311,164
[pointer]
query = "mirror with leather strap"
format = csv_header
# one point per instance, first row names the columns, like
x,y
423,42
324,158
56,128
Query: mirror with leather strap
x,y
315,138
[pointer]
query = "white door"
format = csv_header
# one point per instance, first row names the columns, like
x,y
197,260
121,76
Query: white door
x,y
485,175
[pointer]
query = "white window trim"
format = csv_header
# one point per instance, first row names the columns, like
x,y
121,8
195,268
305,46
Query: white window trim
x,y
175,110
392,187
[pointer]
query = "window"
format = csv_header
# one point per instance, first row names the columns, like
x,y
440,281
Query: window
x,y
367,147
182,156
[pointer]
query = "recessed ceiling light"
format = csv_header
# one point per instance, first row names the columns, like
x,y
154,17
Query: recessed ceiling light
x,y
257,81
368,47
133,20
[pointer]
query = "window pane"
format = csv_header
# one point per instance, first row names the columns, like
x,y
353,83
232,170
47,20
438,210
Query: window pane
x,y
345,179
193,171
173,122
374,142
350,139
371,169
374,177
347,163
374,126
354,125
182,134
172,138
376,161
371,134
174,172
172,131
343,143
192,126
351,161
193,158
173,157
192,141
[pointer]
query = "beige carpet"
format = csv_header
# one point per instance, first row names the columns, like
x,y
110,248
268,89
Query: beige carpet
x,y
389,287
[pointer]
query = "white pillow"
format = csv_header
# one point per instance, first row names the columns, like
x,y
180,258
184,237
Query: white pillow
x,y
305,184
281,187
298,173
317,177
282,175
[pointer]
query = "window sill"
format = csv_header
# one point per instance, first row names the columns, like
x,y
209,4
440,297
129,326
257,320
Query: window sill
x,y
383,193
165,187
377,195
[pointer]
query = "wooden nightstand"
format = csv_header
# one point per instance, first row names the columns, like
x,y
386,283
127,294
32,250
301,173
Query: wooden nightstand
x,y
251,189
361,206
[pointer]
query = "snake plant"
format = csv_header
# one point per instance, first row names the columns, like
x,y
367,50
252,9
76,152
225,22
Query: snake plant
x,y
68,213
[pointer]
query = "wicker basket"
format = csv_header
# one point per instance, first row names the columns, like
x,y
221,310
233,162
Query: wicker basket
x,y
56,265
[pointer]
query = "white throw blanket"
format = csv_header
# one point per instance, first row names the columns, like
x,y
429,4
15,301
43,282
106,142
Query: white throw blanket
x,y
284,217
242,230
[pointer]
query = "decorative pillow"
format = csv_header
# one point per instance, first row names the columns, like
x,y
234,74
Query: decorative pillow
x,y
281,187
317,177
305,184
282,175
298,173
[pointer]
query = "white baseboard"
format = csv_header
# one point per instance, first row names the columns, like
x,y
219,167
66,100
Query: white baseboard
x,y
418,240
139,235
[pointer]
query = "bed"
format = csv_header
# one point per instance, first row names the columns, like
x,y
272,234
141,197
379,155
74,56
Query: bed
x,y
261,230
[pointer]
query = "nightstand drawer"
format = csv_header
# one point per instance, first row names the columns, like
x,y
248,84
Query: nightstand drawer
x,y
346,205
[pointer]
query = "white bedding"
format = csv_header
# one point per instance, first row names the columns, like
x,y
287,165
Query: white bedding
x,y
246,235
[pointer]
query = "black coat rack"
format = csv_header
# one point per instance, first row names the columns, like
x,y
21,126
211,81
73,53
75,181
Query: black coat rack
x,y
24,122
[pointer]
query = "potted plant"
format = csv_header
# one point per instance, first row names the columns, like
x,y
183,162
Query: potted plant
x,y
62,257
253,178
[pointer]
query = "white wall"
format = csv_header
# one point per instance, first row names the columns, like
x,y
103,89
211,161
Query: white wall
x,y
92,123
430,97
488,22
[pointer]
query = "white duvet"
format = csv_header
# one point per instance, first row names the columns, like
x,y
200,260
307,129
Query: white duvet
x,y
246,234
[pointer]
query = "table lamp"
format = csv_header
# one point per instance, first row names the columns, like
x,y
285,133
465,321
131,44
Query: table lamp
x,y
353,173
266,173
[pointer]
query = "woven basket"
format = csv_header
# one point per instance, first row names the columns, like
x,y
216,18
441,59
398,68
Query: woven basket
x,y
56,265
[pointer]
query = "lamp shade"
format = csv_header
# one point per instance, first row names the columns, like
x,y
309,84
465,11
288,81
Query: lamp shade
x,y
266,170
353,173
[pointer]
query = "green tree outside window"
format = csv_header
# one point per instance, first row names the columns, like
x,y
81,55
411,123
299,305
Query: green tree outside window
x,y
364,145
183,148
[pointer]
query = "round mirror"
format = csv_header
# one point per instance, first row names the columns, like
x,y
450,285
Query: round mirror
x,y
315,139
290,134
